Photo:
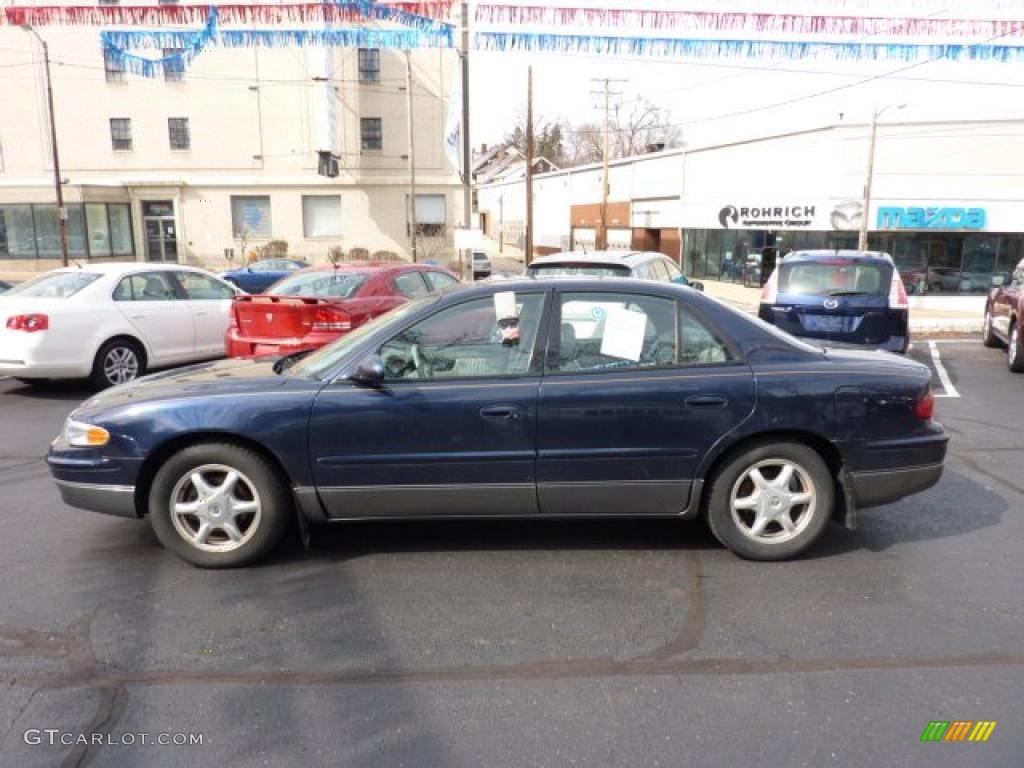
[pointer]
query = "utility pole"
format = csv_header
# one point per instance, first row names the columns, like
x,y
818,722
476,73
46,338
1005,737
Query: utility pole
x,y
862,240
467,155
412,157
62,214
601,241
528,256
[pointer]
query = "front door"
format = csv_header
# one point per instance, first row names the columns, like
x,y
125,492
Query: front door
x,y
155,306
452,430
161,231
636,394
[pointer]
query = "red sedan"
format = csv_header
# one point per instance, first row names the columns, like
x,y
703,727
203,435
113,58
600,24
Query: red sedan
x,y
315,306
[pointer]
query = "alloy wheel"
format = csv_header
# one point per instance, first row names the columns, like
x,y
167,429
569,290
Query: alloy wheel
x,y
121,365
215,508
773,501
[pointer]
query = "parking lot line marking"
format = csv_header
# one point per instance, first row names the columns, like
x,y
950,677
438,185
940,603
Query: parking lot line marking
x,y
941,370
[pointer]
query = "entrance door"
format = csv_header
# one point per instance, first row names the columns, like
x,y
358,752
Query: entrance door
x,y
161,231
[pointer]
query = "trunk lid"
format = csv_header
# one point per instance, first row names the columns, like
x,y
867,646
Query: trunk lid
x,y
283,317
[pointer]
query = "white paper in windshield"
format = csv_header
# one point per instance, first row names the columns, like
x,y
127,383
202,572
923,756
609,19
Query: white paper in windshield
x,y
623,333
505,305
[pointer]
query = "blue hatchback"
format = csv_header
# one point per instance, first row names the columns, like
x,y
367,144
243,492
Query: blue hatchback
x,y
839,297
521,398
260,275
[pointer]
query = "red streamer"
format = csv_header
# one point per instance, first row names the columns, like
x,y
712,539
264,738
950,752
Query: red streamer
x,y
178,15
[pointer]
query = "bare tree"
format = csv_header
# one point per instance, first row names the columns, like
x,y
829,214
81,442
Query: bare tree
x,y
640,124
583,144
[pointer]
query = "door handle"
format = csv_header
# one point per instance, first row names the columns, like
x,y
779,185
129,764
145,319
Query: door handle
x,y
138,317
506,412
706,401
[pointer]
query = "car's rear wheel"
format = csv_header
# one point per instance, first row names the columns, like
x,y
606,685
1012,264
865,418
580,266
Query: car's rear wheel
x,y
1014,352
988,336
118,362
771,501
218,505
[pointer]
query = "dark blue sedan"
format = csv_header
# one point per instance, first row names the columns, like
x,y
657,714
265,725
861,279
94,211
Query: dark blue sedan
x,y
576,397
260,275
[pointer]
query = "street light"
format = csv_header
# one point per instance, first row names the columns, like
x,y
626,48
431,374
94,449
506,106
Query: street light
x,y
62,214
862,241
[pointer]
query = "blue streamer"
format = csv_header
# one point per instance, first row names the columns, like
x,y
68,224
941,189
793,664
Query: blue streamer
x,y
773,49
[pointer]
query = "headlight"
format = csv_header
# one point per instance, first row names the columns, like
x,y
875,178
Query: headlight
x,y
85,435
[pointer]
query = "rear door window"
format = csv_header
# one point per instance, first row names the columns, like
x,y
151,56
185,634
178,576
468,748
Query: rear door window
x,y
147,286
604,331
439,280
411,285
202,287
835,277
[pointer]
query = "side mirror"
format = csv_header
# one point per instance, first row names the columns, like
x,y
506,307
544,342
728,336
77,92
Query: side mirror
x,y
697,286
370,372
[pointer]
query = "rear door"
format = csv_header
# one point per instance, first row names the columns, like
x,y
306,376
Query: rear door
x,y
836,299
1007,299
155,306
210,301
636,391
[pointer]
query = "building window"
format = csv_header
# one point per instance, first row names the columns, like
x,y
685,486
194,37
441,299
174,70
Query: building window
x,y
321,215
177,131
121,132
113,68
95,229
369,65
250,216
174,67
431,215
372,133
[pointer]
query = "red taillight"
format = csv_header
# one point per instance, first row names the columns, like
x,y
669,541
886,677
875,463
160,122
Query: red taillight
x,y
897,293
233,320
770,292
332,319
28,323
925,407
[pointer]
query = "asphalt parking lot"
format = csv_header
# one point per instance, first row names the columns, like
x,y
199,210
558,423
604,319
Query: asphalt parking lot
x,y
630,643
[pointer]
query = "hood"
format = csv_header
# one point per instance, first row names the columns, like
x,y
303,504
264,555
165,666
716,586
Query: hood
x,y
241,377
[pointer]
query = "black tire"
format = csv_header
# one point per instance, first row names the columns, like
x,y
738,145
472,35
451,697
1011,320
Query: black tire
x,y
261,532
734,474
126,350
988,336
1015,349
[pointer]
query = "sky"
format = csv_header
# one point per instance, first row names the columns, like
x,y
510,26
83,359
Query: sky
x,y
731,98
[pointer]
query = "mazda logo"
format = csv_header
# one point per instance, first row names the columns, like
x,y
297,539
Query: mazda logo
x,y
728,214
847,215
831,303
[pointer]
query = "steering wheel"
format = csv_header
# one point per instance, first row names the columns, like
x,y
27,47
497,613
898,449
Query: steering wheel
x,y
423,369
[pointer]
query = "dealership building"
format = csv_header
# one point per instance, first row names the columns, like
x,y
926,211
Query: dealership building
x,y
947,202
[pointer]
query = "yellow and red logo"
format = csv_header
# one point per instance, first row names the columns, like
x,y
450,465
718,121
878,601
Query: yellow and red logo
x,y
958,730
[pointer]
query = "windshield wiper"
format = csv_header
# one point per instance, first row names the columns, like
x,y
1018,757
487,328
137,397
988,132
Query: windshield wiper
x,y
286,362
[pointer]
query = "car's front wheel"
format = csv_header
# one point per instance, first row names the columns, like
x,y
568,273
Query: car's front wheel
x,y
771,501
1014,351
219,505
988,336
118,362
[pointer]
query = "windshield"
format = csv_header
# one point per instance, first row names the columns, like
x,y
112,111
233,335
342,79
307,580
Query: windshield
x,y
342,285
55,285
327,358
579,269
834,277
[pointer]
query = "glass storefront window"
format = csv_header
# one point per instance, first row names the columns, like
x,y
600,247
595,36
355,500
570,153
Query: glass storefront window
x,y
17,236
76,231
121,229
98,228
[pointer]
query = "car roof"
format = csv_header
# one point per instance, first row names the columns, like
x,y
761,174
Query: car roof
x,y
369,266
119,267
815,255
617,258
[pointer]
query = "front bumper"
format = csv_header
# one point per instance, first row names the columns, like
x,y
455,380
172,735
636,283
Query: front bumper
x,y
872,488
109,499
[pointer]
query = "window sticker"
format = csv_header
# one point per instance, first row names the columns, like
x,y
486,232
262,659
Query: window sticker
x,y
505,305
624,334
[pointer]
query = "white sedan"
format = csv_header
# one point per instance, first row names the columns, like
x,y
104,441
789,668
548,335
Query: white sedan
x,y
111,322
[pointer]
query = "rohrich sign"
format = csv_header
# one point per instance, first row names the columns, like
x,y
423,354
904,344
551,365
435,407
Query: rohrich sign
x,y
895,217
767,216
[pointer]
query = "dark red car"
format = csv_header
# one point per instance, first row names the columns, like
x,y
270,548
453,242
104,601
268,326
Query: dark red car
x,y
315,306
1004,311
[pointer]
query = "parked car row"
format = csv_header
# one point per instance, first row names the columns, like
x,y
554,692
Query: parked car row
x,y
1004,310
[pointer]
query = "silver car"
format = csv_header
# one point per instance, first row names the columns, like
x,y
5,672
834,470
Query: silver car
x,y
481,265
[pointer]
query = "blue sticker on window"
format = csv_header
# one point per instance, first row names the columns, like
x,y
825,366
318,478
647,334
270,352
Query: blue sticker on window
x,y
597,313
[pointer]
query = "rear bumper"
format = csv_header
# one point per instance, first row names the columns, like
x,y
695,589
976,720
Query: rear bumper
x,y
879,329
870,489
251,346
110,499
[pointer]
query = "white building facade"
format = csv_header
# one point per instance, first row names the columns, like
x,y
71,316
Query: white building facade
x,y
222,157
947,201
